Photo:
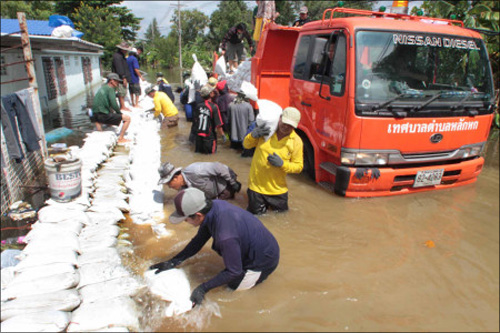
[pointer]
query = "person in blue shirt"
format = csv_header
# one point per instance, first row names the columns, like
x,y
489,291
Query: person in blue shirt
x,y
249,250
164,86
133,64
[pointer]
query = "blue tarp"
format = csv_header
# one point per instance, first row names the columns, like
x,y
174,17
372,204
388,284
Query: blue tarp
x,y
35,27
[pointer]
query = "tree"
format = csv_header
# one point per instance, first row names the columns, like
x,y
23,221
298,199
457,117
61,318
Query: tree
x,y
193,24
316,8
152,31
127,21
100,27
227,15
287,12
34,10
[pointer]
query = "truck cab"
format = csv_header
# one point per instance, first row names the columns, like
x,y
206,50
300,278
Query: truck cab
x,y
390,103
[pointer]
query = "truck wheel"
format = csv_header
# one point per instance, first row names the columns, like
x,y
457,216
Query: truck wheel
x,y
309,160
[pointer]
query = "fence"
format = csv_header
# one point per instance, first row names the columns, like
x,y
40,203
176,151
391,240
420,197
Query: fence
x,y
17,177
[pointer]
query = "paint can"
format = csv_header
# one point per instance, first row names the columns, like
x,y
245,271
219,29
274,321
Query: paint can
x,y
65,178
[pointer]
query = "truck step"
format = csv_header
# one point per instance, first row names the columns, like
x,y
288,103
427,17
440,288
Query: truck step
x,y
329,167
327,186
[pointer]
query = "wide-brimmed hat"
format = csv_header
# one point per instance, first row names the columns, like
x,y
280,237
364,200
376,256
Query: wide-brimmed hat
x,y
167,171
206,90
114,76
291,116
187,202
149,89
124,46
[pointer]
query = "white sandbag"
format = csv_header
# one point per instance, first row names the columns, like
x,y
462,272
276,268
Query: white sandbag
x,y
198,74
51,214
40,259
45,232
103,218
63,300
49,243
111,329
38,272
161,231
127,286
220,66
120,204
249,90
119,311
109,255
69,225
171,285
47,321
42,285
269,114
98,243
7,275
95,230
100,272
112,211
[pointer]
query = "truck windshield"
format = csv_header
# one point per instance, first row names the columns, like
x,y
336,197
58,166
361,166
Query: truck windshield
x,y
437,71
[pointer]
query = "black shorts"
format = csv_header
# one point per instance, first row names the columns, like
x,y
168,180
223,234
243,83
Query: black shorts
x,y
134,88
108,119
205,145
259,203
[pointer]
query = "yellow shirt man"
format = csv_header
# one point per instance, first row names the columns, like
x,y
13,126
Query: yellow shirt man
x,y
164,105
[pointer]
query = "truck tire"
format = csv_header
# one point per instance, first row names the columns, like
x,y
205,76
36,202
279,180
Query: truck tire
x,y
308,160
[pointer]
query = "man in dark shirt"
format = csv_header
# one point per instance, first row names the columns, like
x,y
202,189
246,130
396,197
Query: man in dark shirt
x,y
120,67
303,19
233,43
250,252
207,121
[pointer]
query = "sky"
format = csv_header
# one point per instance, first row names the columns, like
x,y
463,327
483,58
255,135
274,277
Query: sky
x,y
164,10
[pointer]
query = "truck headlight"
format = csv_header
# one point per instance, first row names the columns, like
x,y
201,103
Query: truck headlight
x,y
472,150
364,158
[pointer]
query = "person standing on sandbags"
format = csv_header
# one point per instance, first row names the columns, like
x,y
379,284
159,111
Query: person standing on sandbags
x,y
233,44
273,159
249,250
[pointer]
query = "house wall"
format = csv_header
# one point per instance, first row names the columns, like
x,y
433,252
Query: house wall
x,y
74,75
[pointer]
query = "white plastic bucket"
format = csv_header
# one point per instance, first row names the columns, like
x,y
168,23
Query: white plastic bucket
x,y
65,179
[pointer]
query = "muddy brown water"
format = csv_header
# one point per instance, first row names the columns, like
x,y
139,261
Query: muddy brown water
x,y
346,264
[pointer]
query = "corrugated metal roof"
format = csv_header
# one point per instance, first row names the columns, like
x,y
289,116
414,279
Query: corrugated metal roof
x,y
35,27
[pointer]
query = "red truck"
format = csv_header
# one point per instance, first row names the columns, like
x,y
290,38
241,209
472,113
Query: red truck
x,y
390,103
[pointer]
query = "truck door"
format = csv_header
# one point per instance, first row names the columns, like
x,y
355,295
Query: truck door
x,y
318,87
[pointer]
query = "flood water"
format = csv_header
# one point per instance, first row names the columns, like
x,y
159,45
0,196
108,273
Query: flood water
x,y
347,264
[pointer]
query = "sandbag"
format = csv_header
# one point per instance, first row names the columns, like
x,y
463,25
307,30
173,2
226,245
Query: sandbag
x,y
171,285
220,66
126,286
52,214
198,74
41,259
38,272
46,321
249,90
7,275
100,272
119,311
109,255
63,300
42,285
269,114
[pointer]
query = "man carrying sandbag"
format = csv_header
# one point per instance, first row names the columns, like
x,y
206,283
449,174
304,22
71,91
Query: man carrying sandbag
x,y
250,252
273,159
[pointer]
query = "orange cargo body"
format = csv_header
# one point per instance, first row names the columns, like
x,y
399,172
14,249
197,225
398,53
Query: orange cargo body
x,y
390,103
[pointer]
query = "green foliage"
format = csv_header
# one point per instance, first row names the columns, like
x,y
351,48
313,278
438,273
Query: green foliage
x,y
481,14
193,24
153,31
316,8
287,12
127,21
227,15
34,10
100,27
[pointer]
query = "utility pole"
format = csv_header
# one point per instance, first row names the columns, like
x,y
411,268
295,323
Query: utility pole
x,y
180,41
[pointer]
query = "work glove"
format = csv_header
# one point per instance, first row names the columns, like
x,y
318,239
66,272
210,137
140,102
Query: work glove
x,y
166,265
198,295
261,130
236,186
275,160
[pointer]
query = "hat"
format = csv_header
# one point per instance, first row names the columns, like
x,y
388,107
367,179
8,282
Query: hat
x,y
149,89
133,50
167,171
212,81
187,202
206,90
123,46
159,74
114,76
291,116
303,10
221,84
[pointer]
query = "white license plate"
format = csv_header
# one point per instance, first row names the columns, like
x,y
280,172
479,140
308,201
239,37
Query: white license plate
x,y
428,178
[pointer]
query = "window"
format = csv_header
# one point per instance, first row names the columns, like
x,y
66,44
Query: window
x,y
4,69
61,76
66,61
299,69
76,61
50,77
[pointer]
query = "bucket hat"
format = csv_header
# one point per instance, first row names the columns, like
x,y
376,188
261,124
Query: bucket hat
x,y
124,46
187,202
167,171
291,116
206,90
114,76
